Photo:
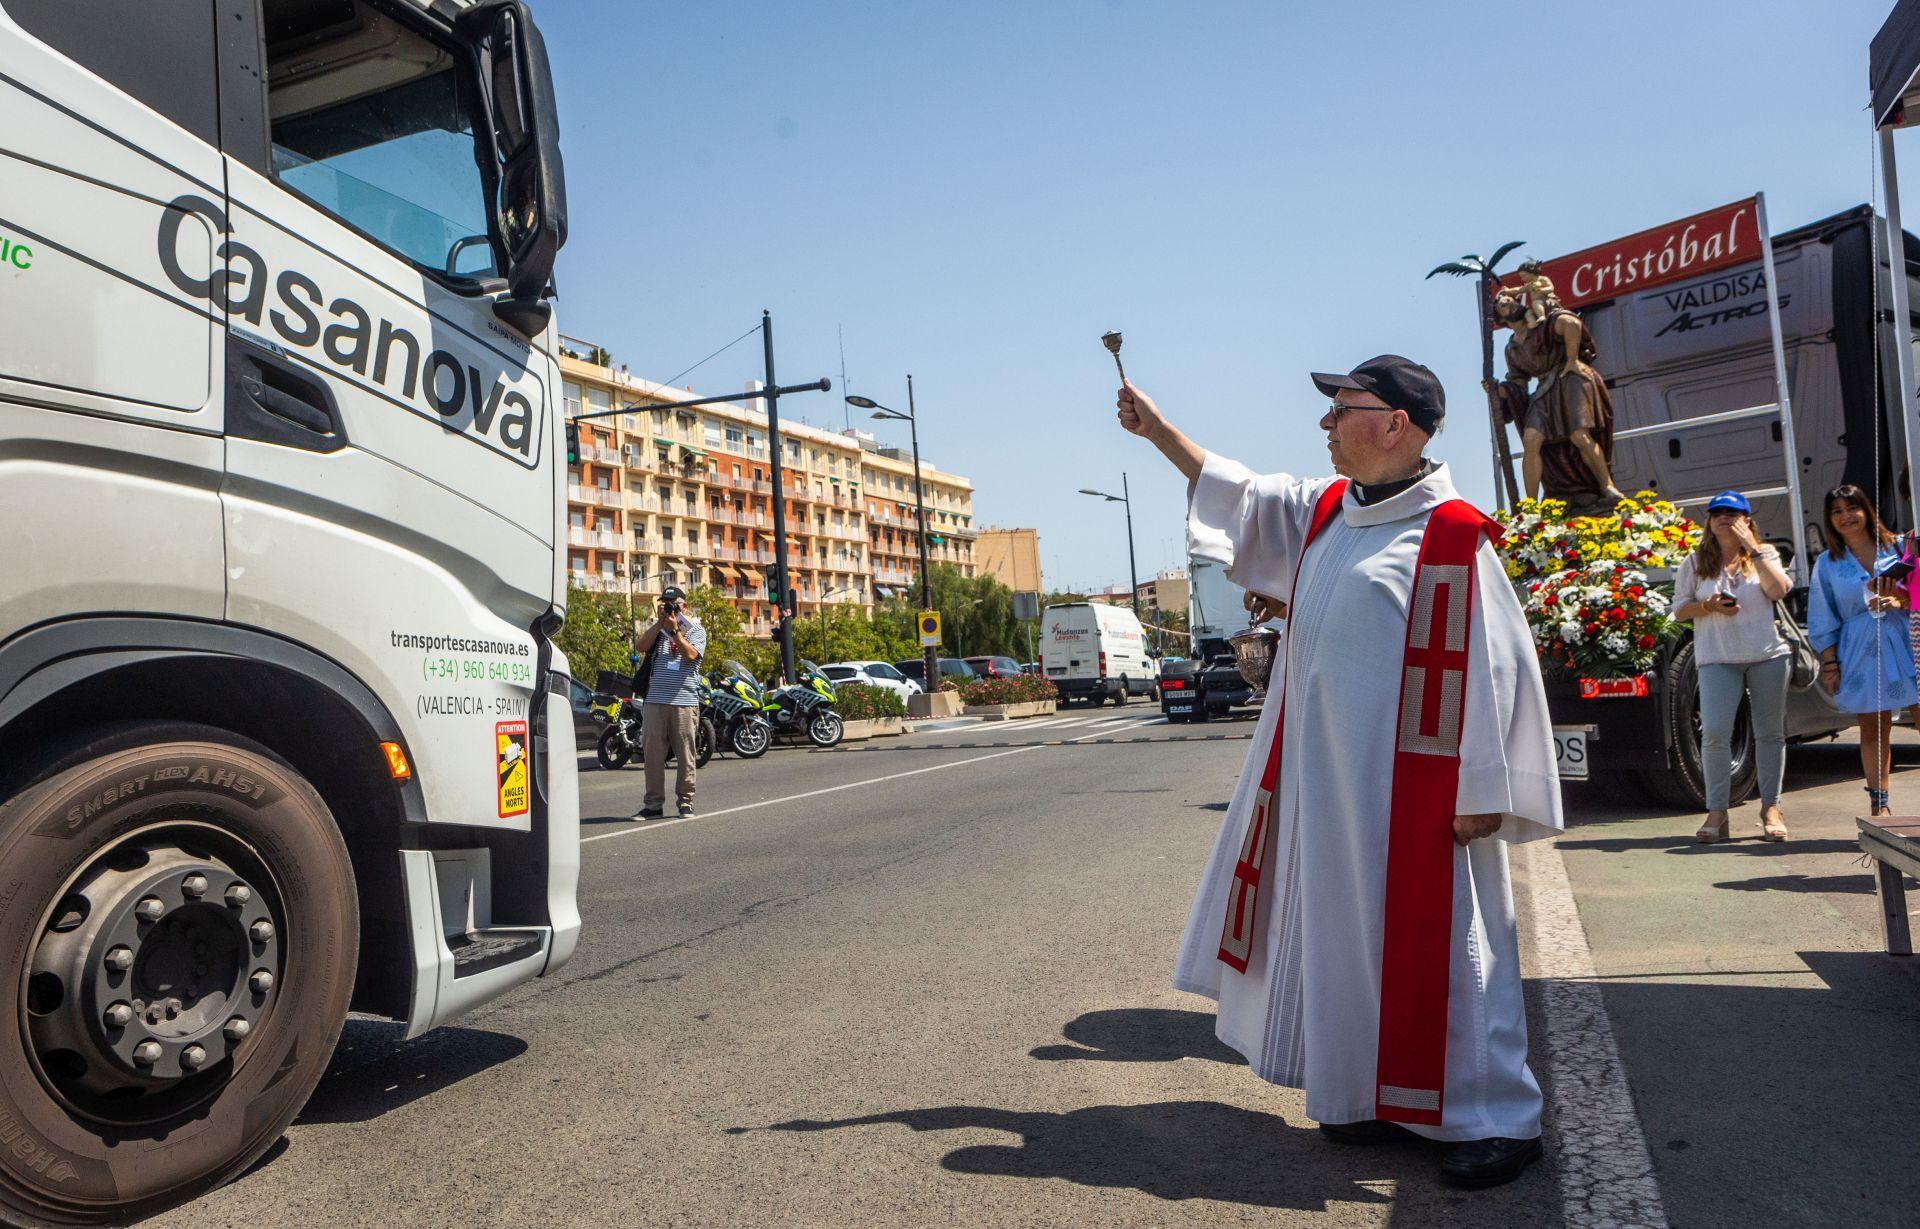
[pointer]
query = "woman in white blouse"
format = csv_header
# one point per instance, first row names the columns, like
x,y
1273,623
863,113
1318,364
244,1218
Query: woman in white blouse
x,y
1726,588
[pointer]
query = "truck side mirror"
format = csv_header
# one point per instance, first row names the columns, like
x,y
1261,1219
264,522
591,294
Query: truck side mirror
x,y
529,190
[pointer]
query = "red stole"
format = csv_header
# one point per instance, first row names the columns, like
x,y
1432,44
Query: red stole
x,y
1418,929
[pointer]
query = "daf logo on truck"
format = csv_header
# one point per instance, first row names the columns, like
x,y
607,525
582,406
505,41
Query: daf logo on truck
x,y
480,403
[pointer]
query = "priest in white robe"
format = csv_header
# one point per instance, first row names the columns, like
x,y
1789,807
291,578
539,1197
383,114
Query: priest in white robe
x,y
1296,930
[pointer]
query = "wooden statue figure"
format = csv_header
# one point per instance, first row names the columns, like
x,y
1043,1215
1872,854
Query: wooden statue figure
x,y
1566,421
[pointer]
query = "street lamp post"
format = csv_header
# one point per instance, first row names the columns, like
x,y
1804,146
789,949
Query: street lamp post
x,y
1125,497
928,656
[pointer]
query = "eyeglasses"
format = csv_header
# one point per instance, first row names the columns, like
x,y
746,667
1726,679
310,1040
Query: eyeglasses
x,y
1339,411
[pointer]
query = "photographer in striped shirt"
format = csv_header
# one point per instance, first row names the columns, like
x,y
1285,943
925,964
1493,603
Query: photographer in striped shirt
x,y
671,648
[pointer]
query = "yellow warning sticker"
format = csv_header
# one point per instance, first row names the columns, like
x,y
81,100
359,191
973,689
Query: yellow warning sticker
x,y
510,766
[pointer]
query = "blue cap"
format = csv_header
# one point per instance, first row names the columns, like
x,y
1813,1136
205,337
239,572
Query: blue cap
x,y
1729,501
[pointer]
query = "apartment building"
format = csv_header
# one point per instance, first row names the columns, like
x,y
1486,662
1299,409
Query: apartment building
x,y
893,532
686,497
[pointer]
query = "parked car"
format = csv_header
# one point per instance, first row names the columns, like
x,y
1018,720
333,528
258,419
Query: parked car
x,y
589,714
872,674
995,667
1029,667
950,668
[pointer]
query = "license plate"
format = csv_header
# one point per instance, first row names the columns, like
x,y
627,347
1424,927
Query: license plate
x,y
1570,752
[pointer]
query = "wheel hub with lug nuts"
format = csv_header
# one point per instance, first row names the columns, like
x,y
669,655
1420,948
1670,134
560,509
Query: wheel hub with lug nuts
x,y
149,974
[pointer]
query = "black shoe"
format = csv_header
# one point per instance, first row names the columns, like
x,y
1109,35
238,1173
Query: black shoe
x,y
650,813
1372,1131
1489,1162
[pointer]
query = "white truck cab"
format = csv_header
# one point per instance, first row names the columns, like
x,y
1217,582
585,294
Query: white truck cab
x,y
283,731
1092,651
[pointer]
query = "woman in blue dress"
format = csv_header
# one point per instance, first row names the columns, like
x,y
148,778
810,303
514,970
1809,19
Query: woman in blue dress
x,y
1859,626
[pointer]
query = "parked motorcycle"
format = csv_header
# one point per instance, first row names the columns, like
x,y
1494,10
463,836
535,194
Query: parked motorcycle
x,y
736,701
622,742
806,707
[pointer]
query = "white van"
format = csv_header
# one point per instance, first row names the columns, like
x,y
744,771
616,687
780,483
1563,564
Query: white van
x,y
1093,651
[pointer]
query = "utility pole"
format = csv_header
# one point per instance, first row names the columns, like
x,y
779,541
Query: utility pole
x,y
930,657
784,599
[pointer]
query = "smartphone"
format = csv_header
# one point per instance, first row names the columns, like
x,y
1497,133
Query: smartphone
x,y
1899,571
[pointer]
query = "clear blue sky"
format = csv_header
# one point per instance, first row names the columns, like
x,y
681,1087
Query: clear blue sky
x,y
975,192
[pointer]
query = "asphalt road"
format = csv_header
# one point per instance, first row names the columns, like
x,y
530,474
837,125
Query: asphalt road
x,y
923,981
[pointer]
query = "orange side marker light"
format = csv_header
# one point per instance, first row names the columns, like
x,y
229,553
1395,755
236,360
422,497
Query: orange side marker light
x,y
397,766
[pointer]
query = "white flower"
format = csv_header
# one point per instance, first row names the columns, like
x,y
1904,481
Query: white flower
x,y
1540,633
1614,642
1571,633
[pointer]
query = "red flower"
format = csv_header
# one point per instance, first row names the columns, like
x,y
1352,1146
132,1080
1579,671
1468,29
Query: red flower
x,y
1550,600
1647,642
1617,615
1592,628
1635,591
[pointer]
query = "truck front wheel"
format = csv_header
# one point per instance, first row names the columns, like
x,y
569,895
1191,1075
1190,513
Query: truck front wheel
x,y
185,930
1684,784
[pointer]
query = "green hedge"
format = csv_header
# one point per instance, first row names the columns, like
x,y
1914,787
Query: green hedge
x,y
859,702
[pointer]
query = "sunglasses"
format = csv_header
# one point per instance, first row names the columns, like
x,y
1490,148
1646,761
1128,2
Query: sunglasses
x,y
1339,411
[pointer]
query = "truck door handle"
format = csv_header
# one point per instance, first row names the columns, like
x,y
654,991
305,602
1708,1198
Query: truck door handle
x,y
305,411
273,399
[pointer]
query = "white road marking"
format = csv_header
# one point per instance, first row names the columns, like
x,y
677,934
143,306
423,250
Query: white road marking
x,y
657,824
1606,1172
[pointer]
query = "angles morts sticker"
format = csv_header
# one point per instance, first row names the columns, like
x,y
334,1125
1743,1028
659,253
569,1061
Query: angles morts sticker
x,y
510,766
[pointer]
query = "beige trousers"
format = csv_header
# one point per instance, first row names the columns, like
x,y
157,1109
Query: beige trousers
x,y
665,727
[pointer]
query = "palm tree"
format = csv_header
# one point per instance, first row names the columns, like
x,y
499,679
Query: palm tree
x,y
1487,271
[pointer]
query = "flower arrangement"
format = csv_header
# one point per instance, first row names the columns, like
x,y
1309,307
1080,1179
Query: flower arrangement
x,y
1582,580
1602,619
1644,531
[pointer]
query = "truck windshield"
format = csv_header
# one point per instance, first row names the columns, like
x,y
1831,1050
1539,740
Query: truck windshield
x,y
368,123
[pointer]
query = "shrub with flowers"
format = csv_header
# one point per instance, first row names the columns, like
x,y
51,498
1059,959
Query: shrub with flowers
x,y
1019,689
1589,602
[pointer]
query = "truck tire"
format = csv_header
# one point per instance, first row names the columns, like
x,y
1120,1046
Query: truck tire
x,y
182,914
1684,785
1125,693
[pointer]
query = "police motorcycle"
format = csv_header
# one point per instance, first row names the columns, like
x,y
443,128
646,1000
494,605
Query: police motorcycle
x,y
622,741
806,707
734,703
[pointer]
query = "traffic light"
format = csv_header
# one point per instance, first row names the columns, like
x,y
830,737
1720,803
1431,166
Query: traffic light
x,y
573,442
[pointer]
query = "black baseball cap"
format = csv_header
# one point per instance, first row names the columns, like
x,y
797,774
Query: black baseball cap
x,y
1400,382
673,593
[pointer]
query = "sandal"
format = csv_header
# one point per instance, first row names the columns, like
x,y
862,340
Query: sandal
x,y
1877,804
1711,831
1772,826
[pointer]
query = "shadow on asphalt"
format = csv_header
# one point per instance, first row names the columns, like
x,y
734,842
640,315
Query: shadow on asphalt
x,y
1172,1150
1141,1035
1683,843
374,1071
1860,882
